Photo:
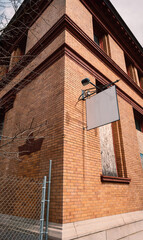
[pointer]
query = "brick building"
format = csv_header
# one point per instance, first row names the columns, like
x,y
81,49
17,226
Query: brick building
x,y
97,175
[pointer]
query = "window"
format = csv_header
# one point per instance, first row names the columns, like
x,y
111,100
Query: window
x,y
17,53
141,82
100,36
140,79
141,155
2,116
108,159
139,126
138,121
112,149
4,65
3,71
131,70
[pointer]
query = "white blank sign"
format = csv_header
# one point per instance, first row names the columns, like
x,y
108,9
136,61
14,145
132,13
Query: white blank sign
x,y
102,108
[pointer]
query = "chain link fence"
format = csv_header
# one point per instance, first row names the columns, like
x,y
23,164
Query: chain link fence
x,y
22,208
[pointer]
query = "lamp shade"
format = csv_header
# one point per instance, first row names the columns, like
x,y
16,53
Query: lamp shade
x,y
85,81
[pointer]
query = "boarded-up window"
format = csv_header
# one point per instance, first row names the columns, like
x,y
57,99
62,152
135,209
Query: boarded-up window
x,y
108,159
107,151
112,149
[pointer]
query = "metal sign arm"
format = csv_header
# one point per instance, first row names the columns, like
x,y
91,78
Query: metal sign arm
x,y
86,93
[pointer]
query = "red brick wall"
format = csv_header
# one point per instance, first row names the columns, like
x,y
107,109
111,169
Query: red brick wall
x,y
100,65
41,100
77,192
84,195
116,53
48,18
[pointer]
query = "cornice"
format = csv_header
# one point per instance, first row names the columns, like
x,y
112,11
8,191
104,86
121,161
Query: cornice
x,y
111,24
65,23
114,14
55,56
34,52
7,103
97,51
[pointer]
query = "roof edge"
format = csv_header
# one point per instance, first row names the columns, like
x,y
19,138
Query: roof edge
x,y
122,22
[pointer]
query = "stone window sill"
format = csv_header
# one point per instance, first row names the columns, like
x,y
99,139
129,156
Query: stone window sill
x,y
112,179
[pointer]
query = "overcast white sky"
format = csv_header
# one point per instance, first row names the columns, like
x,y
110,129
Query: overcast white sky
x,y
131,11
6,9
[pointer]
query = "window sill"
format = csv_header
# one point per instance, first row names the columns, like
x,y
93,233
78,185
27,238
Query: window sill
x,y
115,179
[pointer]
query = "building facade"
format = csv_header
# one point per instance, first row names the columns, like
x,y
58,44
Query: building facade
x,y
97,175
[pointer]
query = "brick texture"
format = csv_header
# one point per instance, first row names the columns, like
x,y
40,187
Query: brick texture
x,y
116,53
40,101
84,196
76,192
47,19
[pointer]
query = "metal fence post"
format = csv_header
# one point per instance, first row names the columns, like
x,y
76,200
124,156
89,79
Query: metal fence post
x,y
42,208
48,201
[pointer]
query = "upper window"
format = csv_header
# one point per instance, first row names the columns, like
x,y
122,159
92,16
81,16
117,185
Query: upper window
x,y
100,36
17,53
4,65
2,116
131,70
138,121
140,79
141,82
